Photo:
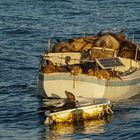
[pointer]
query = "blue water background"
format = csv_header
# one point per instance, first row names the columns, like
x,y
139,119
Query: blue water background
x,y
25,26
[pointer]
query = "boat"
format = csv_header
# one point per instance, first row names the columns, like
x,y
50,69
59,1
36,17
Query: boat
x,y
85,109
105,65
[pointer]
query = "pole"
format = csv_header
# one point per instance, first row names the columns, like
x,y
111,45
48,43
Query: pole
x,y
136,53
49,45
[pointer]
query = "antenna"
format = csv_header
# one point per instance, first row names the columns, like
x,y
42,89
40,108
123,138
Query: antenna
x,y
133,38
49,45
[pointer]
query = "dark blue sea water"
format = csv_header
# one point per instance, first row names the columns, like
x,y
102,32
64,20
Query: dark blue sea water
x,y
25,26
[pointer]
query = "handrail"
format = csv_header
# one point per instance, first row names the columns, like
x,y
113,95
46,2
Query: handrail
x,y
71,58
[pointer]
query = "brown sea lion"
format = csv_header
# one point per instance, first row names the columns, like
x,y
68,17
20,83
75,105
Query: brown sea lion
x,y
90,39
87,47
53,68
107,41
77,44
103,74
70,103
120,37
127,53
62,47
49,67
91,72
60,69
76,70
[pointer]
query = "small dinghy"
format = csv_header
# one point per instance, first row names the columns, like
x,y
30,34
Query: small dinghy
x,y
80,109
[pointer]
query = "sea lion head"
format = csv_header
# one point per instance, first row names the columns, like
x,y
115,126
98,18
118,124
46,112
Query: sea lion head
x,y
71,101
70,96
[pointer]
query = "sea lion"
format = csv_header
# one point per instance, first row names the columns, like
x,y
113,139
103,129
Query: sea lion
x,y
107,41
49,67
76,70
103,74
90,39
62,47
127,53
91,72
60,69
120,37
53,68
83,43
77,44
70,103
87,47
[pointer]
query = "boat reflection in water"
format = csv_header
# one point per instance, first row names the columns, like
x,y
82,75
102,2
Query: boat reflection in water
x,y
66,130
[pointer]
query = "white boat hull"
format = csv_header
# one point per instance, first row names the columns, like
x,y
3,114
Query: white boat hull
x,y
54,85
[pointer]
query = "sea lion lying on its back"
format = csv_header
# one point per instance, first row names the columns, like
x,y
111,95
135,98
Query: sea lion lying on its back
x,y
70,103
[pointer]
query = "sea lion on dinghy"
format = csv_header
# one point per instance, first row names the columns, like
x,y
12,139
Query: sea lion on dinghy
x,y
69,103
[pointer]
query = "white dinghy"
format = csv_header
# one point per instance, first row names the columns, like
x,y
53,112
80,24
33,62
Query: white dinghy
x,y
84,109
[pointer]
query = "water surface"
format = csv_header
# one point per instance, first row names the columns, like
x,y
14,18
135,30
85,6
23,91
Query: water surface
x,y
25,26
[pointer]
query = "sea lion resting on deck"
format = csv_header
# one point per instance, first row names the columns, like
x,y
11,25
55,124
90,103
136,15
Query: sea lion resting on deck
x,y
107,41
76,70
62,47
127,53
75,44
83,43
50,68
